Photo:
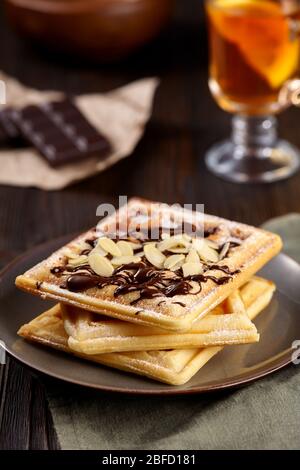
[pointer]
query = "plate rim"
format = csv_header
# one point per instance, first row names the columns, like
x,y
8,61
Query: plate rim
x,y
284,360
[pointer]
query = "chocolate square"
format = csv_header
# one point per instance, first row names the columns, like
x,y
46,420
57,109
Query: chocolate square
x,y
60,132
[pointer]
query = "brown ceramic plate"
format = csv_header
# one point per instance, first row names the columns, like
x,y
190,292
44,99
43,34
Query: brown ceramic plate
x,y
279,326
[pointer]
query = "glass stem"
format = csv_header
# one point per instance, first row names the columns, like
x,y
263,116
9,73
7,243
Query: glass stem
x,y
252,134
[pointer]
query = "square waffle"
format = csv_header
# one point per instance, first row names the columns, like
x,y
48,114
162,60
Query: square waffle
x,y
174,367
90,333
168,282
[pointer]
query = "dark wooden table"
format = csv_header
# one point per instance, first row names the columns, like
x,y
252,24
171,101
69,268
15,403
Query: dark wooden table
x,y
167,165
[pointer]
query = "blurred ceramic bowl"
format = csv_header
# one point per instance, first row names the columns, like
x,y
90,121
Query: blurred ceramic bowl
x,y
96,29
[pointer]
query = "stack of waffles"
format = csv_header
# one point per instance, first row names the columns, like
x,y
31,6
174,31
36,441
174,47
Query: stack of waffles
x,y
153,290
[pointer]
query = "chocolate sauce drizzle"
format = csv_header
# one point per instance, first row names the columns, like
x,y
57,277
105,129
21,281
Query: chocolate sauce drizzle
x,y
143,278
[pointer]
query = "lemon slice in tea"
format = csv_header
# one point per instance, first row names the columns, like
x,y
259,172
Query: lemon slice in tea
x,y
262,33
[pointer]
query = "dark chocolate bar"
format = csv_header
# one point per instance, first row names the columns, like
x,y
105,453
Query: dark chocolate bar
x,y
9,133
60,132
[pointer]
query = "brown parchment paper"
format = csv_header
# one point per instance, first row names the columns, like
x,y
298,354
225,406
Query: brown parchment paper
x,y
121,115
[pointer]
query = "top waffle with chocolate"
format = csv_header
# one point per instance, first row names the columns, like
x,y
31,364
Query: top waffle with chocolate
x,y
153,264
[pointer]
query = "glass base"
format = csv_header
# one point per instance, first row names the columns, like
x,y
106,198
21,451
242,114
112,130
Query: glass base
x,y
278,163
251,157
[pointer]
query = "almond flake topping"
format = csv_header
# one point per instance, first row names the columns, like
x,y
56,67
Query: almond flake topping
x,y
109,246
174,262
205,252
133,264
176,241
154,255
125,248
212,243
120,260
190,269
192,256
224,250
99,250
179,250
78,261
100,265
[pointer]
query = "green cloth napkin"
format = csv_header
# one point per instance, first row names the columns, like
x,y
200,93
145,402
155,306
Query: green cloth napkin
x,y
264,415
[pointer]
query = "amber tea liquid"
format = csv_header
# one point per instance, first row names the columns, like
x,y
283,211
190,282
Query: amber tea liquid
x,y
254,50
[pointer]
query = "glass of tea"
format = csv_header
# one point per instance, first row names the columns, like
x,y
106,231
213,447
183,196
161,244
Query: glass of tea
x,y
254,65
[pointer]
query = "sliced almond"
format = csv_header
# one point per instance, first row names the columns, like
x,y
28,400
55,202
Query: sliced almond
x,y
180,250
192,256
224,250
174,262
99,250
70,254
109,246
205,252
197,243
136,246
208,254
77,247
175,241
154,255
190,269
78,261
150,243
212,243
100,265
125,248
120,260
